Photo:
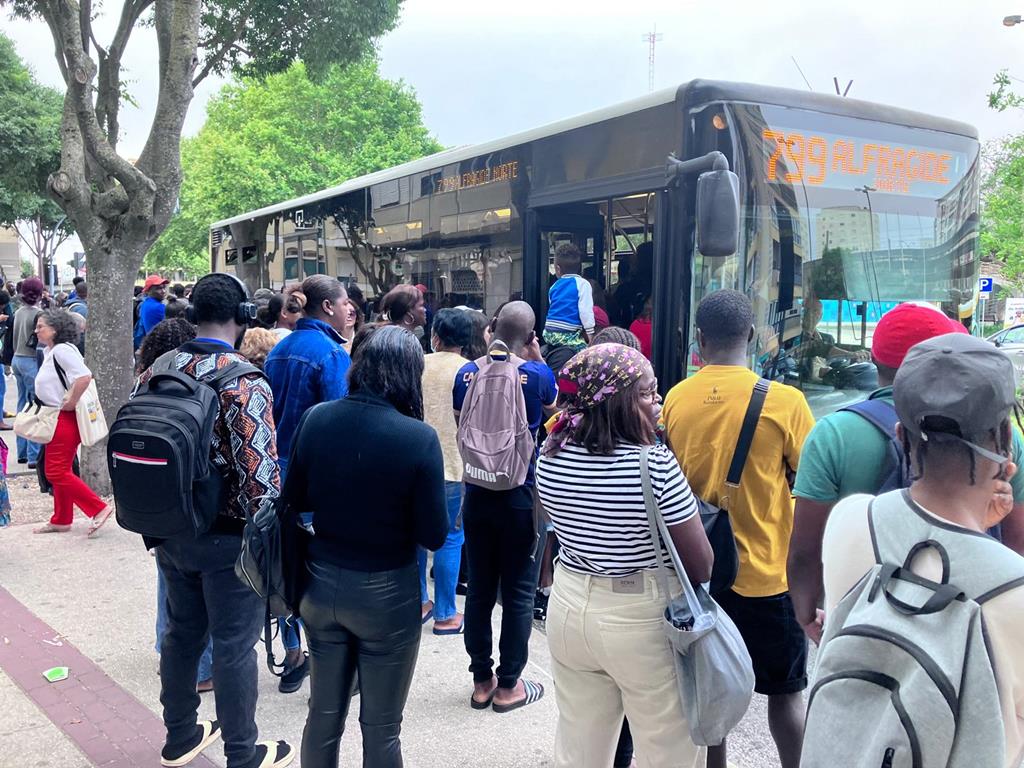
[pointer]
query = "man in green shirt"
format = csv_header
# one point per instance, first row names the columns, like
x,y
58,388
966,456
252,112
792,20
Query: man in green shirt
x,y
846,454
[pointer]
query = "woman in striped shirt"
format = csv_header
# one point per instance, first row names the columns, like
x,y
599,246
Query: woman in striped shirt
x,y
604,628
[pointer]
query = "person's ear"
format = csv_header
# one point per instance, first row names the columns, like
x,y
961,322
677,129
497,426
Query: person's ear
x,y
900,433
325,305
750,336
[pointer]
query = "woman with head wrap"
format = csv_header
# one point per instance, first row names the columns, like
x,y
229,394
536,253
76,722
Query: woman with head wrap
x,y
604,626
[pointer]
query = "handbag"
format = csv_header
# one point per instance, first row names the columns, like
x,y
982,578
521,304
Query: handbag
x,y
36,422
714,673
715,518
92,424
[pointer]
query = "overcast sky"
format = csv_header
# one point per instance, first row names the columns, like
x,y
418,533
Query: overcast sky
x,y
483,70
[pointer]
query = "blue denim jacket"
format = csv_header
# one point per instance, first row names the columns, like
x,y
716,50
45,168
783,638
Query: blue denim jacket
x,y
308,366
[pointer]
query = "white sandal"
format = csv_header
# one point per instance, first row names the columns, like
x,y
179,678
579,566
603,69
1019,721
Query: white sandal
x,y
101,517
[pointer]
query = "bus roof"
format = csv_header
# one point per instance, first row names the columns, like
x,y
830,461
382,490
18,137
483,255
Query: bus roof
x,y
694,92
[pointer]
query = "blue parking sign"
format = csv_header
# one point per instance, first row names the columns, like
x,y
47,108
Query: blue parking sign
x,y
985,285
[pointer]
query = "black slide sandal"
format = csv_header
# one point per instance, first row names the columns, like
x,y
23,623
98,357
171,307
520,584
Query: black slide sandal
x,y
534,693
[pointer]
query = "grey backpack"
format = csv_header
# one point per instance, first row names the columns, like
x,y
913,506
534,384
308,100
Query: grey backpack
x,y
903,678
494,435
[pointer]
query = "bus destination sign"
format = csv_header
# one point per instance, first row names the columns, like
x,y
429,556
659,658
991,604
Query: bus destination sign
x,y
795,157
503,172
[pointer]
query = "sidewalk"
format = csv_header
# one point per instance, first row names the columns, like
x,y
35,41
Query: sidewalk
x,y
89,604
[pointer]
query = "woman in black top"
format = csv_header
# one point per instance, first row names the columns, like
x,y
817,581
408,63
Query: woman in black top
x,y
374,497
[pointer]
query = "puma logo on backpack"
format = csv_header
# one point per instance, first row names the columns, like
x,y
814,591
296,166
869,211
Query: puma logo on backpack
x,y
494,435
158,452
903,677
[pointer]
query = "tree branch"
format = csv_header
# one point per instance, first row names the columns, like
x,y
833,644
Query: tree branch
x,y
177,23
140,188
226,44
25,240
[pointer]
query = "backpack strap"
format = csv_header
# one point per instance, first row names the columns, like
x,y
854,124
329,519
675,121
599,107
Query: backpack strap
x,y
746,438
976,563
233,370
879,413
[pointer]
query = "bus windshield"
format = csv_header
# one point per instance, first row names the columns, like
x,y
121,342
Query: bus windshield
x,y
843,219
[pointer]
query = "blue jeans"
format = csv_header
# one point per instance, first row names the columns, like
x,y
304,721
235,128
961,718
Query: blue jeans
x,y
446,559
206,660
289,632
3,392
25,370
204,599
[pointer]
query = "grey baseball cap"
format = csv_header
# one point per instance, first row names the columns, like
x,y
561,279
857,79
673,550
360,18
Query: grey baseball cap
x,y
959,377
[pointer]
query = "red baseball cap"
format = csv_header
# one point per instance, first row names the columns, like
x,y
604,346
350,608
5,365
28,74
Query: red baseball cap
x,y
905,326
421,288
154,280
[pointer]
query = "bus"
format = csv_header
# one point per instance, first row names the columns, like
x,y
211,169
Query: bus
x,y
839,209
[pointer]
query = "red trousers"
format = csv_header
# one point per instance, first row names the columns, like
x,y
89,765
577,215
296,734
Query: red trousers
x,y
69,490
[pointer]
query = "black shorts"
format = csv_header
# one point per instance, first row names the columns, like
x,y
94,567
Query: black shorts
x,y
774,638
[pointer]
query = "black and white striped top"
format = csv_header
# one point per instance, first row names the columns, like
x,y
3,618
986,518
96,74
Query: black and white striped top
x,y
596,504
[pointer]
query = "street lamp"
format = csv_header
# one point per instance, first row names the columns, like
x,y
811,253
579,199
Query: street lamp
x,y
1012,21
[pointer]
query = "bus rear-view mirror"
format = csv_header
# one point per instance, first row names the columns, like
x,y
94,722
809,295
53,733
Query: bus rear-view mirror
x,y
718,213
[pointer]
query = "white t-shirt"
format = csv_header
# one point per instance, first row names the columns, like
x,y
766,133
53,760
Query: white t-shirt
x,y
48,388
847,555
280,332
596,504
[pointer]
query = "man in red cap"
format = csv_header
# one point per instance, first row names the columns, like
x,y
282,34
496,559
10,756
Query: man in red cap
x,y
847,454
152,309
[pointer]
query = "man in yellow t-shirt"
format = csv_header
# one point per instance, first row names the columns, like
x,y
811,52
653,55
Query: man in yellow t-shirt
x,y
703,416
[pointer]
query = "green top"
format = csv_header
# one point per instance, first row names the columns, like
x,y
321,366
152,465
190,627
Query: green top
x,y
844,455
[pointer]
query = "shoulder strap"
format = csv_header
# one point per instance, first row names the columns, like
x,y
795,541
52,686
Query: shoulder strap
x,y
972,561
660,537
232,370
746,438
878,413
60,373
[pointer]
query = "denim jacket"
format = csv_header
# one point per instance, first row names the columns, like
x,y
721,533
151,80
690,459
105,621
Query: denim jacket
x,y
308,366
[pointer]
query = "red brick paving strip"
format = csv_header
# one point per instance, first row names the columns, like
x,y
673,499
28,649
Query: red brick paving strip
x,y
109,725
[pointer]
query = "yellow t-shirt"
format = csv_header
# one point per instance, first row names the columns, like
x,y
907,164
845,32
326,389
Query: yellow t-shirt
x,y
703,415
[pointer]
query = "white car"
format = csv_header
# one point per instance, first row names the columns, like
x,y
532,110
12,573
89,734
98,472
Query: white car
x,y
1011,341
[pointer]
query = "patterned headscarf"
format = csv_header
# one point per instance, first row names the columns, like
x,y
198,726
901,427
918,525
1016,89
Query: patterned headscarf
x,y
591,377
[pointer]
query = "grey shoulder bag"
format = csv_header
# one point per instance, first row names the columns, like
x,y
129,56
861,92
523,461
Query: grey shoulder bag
x,y
713,668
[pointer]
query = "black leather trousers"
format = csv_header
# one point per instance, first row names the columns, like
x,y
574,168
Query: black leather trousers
x,y
365,622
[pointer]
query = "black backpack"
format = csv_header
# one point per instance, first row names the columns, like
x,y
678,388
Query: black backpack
x,y
158,453
895,473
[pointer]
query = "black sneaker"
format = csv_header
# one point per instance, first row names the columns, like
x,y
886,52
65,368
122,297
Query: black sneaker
x,y
291,680
207,732
273,754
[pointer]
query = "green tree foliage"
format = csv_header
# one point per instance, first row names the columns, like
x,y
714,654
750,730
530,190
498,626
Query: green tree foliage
x,y
1002,191
273,139
1004,97
30,117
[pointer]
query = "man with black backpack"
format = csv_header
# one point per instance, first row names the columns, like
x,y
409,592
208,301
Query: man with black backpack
x,y
922,660
855,451
500,401
190,455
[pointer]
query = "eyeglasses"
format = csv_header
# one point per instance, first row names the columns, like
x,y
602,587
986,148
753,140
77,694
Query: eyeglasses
x,y
651,394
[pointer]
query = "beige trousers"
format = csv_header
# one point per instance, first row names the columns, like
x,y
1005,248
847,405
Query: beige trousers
x,y
610,657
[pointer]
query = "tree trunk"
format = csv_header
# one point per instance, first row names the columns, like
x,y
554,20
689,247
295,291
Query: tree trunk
x,y
109,352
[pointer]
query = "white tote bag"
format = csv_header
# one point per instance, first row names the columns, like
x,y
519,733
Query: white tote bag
x,y
92,424
36,422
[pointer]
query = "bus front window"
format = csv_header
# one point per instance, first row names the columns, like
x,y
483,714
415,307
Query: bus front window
x,y
843,219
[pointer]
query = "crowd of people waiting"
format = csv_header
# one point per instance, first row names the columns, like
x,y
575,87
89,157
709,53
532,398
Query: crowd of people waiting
x,y
349,405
